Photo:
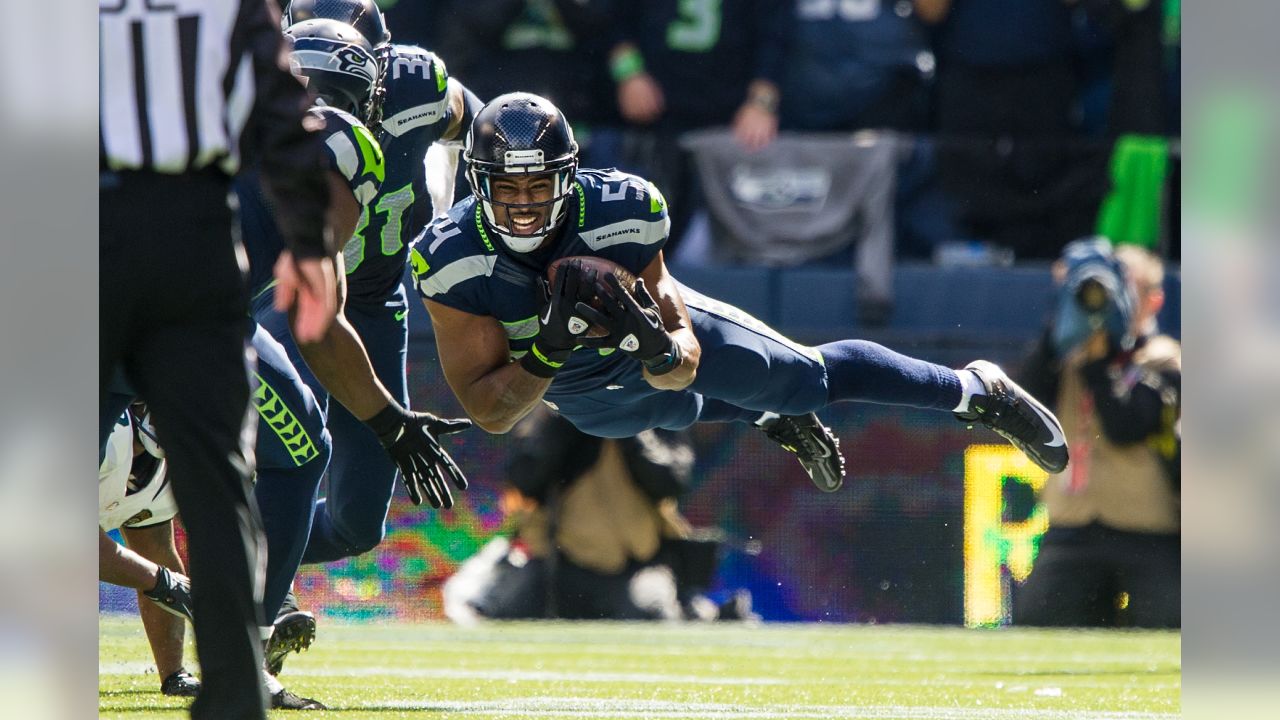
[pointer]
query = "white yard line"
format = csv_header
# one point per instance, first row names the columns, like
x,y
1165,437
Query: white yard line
x,y
602,708
512,675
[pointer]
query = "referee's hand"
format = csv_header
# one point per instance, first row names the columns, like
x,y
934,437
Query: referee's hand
x,y
310,283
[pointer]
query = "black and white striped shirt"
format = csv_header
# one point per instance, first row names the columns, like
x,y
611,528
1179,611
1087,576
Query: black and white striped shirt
x,y
180,79
189,85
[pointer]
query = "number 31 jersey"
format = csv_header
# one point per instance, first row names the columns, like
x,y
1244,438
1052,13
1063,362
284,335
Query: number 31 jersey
x,y
415,113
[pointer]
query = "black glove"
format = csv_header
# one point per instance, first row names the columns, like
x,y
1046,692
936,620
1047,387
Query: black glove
x,y
172,593
635,326
412,441
559,325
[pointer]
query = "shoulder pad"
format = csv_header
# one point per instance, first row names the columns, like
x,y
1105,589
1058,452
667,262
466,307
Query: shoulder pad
x,y
417,90
353,152
451,250
619,207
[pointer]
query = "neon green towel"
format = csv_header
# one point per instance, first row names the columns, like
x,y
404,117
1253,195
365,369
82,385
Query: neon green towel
x,y
1132,210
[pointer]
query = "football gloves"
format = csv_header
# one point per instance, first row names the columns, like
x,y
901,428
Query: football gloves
x,y
412,439
560,324
635,326
172,593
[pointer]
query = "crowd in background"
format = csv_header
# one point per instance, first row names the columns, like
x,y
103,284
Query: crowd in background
x,y
1016,126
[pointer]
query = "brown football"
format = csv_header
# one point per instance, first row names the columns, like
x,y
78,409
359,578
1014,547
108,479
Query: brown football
x,y
602,268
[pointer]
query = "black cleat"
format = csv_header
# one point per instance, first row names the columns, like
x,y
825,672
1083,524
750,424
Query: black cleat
x,y
817,449
180,684
294,632
283,699
172,593
1017,417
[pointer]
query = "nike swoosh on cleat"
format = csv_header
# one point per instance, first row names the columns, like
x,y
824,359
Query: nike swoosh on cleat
x,y
1058,440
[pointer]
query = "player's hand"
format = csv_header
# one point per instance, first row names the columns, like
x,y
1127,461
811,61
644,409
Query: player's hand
x,y
560,325
309,283
640,99
413,441
754,127
633,320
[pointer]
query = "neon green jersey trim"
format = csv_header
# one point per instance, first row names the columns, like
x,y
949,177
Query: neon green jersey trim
x,y
480,226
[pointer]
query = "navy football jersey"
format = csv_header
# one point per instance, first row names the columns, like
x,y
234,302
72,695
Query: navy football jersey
x,y
415,113
352,152
612,214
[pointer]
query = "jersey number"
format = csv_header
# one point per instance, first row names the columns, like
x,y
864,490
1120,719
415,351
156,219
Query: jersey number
x,y
610,191
848,10
697,28
395,205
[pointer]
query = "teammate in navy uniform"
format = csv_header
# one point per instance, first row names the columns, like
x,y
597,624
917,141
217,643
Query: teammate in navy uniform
x,y
672,356
415,105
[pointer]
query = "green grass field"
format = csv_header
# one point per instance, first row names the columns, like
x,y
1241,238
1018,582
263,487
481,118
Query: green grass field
x,y
606,670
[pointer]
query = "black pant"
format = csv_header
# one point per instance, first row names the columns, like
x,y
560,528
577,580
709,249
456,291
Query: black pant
x,y
173,317
1095,576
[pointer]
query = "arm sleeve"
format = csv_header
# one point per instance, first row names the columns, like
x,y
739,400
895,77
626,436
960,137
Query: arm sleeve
x,y
660,462
774,22
289,149
624,24
1129,410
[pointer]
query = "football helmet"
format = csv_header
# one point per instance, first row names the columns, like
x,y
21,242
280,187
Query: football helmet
x,y
337,63
521,134
363,15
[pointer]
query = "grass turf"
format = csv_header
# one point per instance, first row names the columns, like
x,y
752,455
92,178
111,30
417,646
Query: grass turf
x,y
614,670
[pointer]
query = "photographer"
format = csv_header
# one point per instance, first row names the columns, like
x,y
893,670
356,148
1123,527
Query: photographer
x,y
1111,555
597,533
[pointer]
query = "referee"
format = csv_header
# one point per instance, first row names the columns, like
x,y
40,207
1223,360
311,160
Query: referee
x,y
185,87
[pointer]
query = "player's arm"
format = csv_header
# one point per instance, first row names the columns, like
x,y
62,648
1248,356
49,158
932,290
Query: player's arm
x,y
341,364
338,358
165,631
121,566
675,319
463,106
476,362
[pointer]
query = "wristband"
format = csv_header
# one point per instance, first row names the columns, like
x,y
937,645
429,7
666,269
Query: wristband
x,y
665,362
765,101
541,365
626,65
387,423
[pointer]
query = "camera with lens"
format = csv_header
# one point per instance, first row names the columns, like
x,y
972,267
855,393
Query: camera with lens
x,y
1094,296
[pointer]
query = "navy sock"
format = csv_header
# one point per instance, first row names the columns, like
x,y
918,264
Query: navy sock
x,y
714,410
866,372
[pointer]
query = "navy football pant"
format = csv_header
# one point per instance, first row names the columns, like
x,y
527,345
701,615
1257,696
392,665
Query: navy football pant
x,y
747,368
293,450
350,519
